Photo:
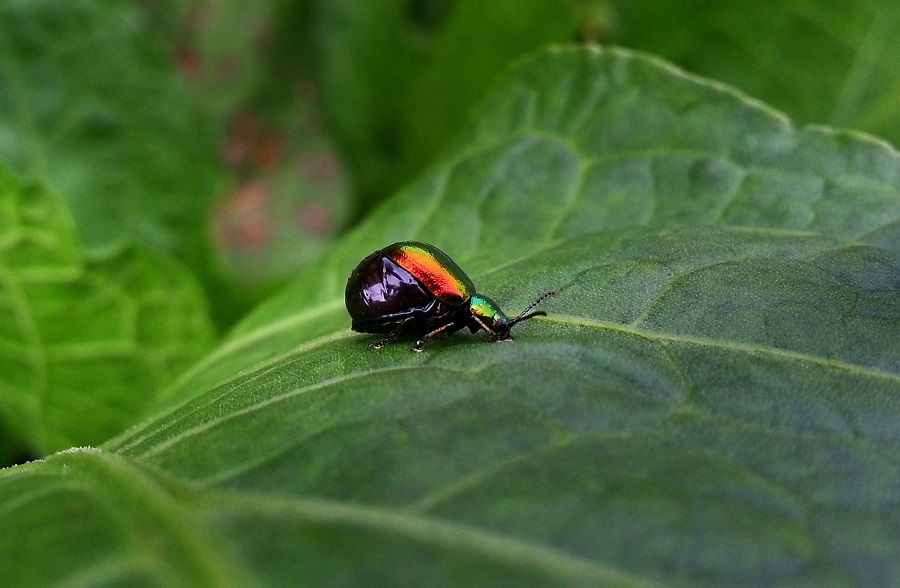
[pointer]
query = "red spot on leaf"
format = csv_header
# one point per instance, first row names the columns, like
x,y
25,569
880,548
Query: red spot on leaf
x,y
243,220
322,168
267,151
314,218
239,143
189,64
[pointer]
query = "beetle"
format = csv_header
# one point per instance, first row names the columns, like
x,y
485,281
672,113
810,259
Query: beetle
x,y
416,288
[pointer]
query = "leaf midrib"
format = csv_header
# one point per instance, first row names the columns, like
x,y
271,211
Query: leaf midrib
x,y
514,552
93,467
104,469
752,348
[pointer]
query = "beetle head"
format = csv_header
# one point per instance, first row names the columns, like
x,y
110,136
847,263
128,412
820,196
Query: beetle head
x,y
488,313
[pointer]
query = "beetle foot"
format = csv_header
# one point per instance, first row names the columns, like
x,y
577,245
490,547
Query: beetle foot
x,y
377,345
418,347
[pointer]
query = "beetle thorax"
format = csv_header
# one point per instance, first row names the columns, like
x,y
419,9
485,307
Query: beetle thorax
x,y
487,311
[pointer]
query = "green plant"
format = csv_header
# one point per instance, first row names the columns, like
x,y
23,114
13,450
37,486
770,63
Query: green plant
x,y
712,398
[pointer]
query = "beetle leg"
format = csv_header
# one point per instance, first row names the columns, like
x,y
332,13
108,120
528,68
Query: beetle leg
x,y
391,336
485,327
420,344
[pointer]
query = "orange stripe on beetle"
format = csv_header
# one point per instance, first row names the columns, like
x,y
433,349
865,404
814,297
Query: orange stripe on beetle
x,y
435,270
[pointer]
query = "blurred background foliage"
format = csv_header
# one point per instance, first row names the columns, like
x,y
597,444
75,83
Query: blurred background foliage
x,y
303,115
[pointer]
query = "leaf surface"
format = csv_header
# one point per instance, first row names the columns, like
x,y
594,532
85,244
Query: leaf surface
x,y
579,142
86,342
711,400
825,62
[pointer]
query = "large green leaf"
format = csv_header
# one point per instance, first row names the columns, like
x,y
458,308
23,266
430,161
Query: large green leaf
x,y
584,144
828,62
712,399
85,342
90,105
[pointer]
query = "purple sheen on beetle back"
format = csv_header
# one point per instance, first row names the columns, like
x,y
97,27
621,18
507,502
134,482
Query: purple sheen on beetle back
x,y
380,294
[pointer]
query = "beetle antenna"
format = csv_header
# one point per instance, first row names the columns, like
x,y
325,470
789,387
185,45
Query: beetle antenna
x,y
525,317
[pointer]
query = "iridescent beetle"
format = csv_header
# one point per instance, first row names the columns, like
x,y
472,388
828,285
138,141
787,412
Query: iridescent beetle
x,y
412,287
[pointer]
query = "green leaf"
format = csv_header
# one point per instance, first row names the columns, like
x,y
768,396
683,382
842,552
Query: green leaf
x,y
90,105
828,62
581,142
712,398
85,342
